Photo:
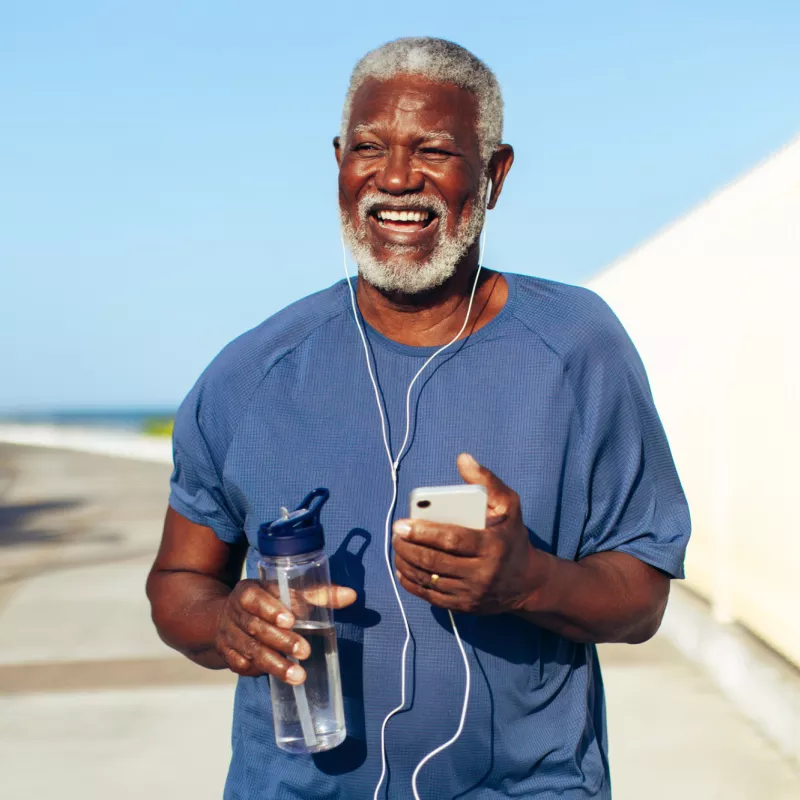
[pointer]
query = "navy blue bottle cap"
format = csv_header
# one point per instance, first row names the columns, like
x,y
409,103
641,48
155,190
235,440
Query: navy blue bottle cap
x,y
298,533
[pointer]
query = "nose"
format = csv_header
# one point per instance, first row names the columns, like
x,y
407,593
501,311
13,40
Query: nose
x,y
397,175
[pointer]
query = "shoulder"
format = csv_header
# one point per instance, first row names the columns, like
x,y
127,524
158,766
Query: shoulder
x,y
225,387
567,318
249,357
575,323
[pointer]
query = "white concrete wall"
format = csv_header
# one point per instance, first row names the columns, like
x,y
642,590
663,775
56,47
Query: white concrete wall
x,y
712,305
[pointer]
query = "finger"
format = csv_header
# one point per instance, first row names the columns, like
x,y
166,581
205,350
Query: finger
x,y
264,659
428,595
499,496
330,596
430,560
450,539
443,584
262,604
288,642
237,662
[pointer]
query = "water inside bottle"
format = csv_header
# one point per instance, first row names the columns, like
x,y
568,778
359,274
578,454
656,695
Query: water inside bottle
x,y
323,690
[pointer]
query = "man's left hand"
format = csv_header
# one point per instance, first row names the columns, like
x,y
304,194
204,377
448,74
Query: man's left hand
x,y
488,571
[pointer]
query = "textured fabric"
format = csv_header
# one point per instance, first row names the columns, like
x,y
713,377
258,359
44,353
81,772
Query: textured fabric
x,y
552,396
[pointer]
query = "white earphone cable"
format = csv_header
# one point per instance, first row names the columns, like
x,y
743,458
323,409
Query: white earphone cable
x,y
394,464
389,514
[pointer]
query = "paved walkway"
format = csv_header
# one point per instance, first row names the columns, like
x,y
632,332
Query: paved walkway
x,y
93,705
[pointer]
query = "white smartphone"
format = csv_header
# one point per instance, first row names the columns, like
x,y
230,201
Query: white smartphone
x,y
463,504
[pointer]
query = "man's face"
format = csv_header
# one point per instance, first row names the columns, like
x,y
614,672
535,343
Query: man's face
x,y
411,181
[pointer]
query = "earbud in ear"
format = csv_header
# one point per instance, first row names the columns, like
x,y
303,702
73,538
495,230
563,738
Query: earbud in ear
x,y
488,192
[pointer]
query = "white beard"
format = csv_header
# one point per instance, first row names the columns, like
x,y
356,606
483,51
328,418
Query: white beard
x,y
400,273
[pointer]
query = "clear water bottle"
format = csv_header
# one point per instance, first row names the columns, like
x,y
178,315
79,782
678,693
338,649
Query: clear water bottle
x,y
308,718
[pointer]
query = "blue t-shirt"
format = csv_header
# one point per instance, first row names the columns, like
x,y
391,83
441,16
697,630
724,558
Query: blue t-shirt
x,y
550,395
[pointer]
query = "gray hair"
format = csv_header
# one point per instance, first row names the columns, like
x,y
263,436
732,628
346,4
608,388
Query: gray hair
x,y
439,61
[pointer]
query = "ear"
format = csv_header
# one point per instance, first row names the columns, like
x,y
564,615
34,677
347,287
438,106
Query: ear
x,y
337,148
499,165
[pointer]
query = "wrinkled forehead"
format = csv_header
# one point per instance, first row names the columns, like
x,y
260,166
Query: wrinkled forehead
x,y
409,105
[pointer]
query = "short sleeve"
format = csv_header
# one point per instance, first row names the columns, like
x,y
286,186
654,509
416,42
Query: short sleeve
x,y
635,502
198,448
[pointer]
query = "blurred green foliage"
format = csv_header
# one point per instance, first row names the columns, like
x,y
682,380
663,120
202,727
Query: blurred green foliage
x,y
158,427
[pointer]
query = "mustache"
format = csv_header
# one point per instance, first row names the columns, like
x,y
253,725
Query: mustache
x,y
372,201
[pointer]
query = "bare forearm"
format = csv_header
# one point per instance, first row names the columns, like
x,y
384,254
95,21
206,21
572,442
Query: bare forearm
x,y
607,597
186,609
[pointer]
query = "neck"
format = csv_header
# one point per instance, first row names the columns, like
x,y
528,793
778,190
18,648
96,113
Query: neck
x,y
433,318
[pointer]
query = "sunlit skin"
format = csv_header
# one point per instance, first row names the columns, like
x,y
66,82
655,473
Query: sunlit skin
x,y
408,137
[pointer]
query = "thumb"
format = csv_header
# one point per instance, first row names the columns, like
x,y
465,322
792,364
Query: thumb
x,y
330,596
499,494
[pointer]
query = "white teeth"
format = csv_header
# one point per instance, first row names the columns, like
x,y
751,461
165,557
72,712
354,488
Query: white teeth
x,y
402,216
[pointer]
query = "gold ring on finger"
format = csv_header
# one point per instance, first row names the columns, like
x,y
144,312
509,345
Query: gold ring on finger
x,y
435,578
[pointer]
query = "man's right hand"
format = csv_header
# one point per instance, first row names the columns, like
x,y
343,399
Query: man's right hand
x,y
254,636
202,609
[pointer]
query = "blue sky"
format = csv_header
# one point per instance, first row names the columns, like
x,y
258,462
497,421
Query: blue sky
x,y
167,179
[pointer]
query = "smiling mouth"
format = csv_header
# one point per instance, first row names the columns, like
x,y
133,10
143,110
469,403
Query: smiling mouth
x,y
403,220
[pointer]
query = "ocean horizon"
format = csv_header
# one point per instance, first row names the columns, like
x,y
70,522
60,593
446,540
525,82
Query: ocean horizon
x,y
131,419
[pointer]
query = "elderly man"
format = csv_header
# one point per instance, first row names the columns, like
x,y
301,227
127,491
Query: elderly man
x,y
542,400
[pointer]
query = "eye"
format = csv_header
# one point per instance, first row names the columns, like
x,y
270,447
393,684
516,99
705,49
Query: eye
x,y
435,153
366,149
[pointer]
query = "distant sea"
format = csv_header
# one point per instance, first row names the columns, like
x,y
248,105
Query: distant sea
x,y
130,419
